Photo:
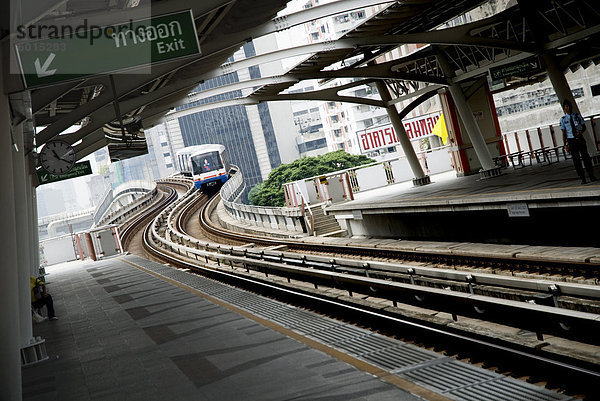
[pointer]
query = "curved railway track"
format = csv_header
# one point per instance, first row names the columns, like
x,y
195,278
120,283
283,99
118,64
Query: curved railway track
x,y
344,288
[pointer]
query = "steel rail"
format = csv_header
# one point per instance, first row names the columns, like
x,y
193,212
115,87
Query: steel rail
x,y
589,269
565,368
133,225
568,371
538,318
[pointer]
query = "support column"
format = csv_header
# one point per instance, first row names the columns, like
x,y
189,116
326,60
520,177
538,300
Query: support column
x,y
10,369
563,91
475,135
413,161
555,72
489,169
34,234
22,235
90,245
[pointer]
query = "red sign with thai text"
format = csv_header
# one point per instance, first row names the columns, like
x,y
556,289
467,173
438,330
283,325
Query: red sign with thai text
x,y
385,135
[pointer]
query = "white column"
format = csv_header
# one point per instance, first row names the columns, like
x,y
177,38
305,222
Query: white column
x,y
420,178
33,226
563,91
475,135
21,182
466,116
10,369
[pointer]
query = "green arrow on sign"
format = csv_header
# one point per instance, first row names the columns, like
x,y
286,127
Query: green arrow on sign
x,y
101,50
78,170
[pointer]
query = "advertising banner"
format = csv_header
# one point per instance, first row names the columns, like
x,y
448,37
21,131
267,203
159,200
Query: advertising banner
x,y
385,136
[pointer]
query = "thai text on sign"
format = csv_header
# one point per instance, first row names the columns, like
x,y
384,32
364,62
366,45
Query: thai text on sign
x,y
385,136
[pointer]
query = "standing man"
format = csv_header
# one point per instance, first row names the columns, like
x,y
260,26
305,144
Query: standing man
x,y
573,126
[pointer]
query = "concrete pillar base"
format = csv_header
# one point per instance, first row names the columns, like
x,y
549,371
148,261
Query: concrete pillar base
x,y
493,172
419,182
34,352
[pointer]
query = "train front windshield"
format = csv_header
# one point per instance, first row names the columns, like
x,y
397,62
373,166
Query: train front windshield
x,y
206,162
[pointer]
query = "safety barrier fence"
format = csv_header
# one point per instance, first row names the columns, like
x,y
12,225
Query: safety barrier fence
x,y
135,186
545,144
64,216
122,214
296,219
343,184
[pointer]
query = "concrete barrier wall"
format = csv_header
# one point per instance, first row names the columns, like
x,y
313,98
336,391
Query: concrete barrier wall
x,y
371,176
57,250
282,218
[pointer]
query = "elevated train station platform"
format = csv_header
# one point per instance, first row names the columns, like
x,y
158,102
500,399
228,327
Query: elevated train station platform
x,y
536,205
132,329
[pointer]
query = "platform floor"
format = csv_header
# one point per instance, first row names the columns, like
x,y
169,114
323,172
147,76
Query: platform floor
x,y
536,182
124,334
131,329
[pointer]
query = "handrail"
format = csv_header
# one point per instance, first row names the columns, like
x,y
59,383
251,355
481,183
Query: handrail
x,y
310,218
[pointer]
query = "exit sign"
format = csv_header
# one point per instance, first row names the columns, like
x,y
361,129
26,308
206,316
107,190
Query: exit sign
x,y
78,170
108,49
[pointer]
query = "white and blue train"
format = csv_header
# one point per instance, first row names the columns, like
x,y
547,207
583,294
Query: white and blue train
x,y
208,165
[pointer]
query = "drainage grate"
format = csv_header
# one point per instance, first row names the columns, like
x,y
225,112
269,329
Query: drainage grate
x,y
315,325
340,333
447,375
400,357
292,317
366,344
506,389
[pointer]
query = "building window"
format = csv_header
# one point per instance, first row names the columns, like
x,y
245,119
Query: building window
x,y
358,14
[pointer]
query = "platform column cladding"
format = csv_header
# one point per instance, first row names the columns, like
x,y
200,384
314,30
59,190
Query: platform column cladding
x,y
22,216
555,72
467,118
10,369
563,91
420,178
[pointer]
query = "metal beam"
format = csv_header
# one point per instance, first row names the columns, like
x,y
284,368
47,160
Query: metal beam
x,y
310,14
90,144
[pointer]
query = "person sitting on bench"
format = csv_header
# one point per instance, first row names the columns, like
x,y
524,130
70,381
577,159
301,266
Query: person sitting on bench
x,y
40,297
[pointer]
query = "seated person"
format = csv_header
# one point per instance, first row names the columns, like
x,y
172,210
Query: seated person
x,y
40,297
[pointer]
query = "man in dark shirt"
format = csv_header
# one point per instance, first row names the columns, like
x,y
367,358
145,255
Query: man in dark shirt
x,y
572,126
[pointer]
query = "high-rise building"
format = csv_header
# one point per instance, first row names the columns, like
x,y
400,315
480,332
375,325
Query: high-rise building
x,y
258,138
328,126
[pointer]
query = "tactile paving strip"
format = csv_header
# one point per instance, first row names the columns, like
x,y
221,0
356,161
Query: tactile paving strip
x,y
453,379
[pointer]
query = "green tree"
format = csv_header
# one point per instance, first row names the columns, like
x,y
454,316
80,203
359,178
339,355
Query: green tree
x,y
270,192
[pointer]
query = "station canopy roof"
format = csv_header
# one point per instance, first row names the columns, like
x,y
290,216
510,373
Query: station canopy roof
x,y
117,105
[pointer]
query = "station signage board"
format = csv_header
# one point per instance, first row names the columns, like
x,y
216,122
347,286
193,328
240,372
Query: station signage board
x,y
521,69
78,170
108,49
385,136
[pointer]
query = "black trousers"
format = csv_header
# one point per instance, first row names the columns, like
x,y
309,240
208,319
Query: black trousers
x,y
45,300
578,149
